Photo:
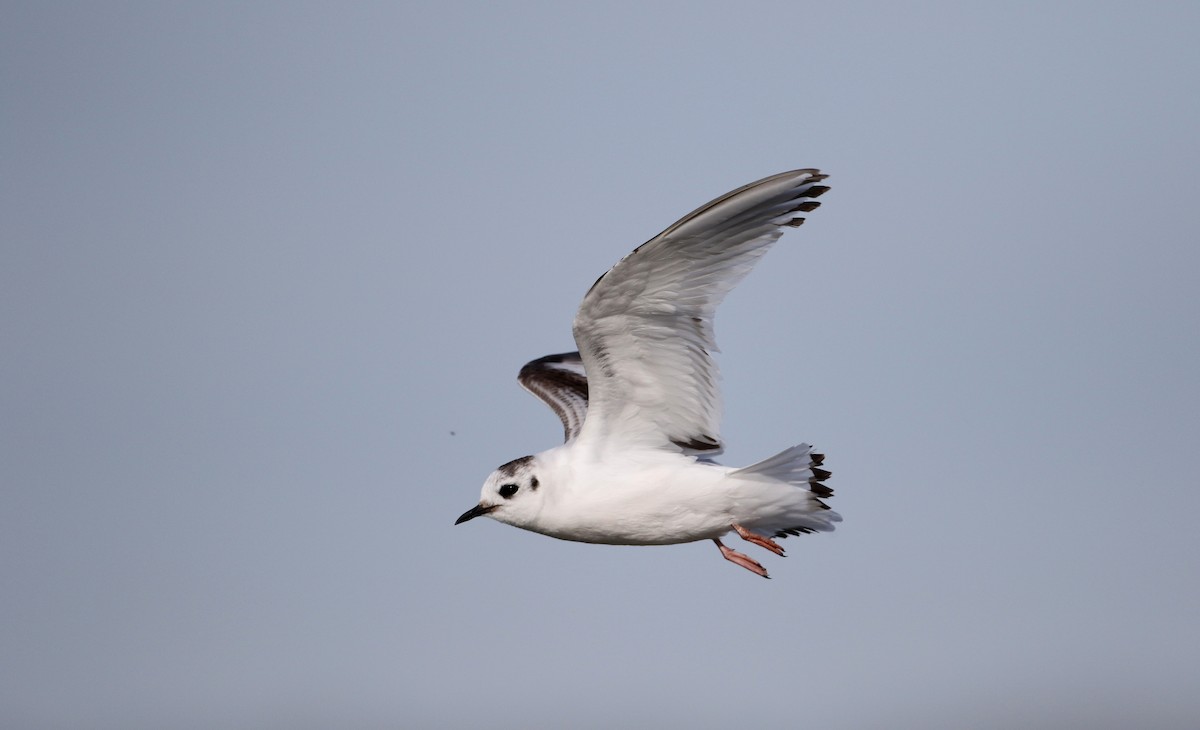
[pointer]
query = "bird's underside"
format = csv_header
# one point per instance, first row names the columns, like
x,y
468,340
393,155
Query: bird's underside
x,y
561,382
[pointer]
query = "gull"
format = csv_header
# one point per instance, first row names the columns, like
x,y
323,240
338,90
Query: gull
x,y
640,406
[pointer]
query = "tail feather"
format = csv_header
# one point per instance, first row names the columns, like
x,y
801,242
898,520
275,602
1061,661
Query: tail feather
x,y
800,467
797,465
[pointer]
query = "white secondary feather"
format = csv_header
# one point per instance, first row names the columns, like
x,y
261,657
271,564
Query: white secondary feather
x,y
645,329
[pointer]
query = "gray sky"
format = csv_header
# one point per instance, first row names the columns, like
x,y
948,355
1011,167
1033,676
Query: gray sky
x,y
268,274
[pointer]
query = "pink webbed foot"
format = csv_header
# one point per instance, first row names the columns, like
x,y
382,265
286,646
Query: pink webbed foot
x,y
759,540
745,561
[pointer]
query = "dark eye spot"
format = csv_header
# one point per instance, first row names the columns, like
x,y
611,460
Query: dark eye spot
x,y
508,490
533,483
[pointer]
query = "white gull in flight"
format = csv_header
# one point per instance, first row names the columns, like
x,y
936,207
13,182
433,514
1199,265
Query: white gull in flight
x,y
640,406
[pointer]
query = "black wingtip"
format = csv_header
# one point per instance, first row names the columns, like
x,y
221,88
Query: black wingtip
x,y
822,491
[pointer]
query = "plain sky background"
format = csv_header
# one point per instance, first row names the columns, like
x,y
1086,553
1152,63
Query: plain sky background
x,y
268,272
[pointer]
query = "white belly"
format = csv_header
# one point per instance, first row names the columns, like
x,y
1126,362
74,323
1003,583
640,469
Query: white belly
x,y
652,506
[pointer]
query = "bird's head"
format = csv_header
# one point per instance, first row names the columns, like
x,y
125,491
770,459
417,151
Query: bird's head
x,y
510,494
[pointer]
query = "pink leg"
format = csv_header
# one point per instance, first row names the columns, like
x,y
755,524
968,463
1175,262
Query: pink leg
x,y
745,561
759,540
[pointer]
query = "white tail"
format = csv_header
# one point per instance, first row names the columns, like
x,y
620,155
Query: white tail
x,y
800,467
796,465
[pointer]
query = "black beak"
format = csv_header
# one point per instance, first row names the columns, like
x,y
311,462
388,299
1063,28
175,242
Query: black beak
x,y
474,512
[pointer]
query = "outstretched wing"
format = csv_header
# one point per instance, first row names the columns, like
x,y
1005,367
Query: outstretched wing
x,y
561,383
645,329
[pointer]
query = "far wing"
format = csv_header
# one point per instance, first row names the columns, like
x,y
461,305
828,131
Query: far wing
x,y
561,383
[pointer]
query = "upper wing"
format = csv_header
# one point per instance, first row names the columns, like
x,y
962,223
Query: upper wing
x,y
560,382
645,328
